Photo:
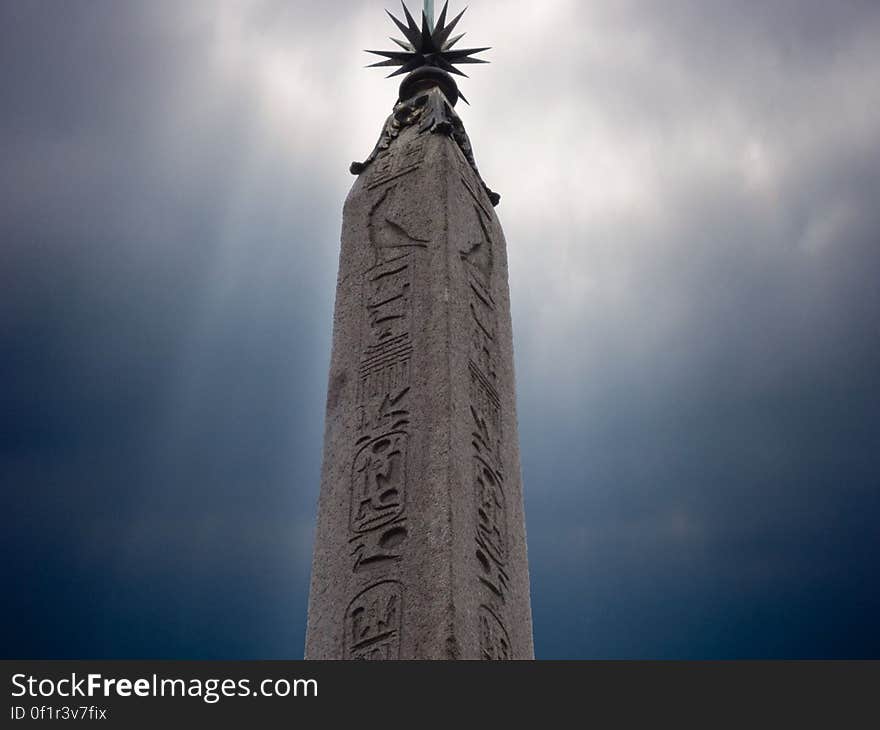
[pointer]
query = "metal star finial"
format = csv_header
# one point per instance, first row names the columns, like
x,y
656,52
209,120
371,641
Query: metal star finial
x,y
428,45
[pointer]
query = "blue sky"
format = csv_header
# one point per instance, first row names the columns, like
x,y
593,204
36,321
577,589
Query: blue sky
x,y
689,196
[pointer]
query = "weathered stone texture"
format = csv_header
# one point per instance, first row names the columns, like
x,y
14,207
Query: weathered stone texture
x,y
420,550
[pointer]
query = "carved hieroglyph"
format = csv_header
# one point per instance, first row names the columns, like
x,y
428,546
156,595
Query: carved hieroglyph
x,y
420,550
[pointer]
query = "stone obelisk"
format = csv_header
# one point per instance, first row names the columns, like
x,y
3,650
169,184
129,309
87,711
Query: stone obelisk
x,y
420,550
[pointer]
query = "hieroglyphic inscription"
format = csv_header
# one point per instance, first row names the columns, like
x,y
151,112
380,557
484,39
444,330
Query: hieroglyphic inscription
x,y
412,155
391,235
377,525
494,640
490,517
377,520
392,164
379,481
486,410
387,306
373,622
490,509
483,347
385,368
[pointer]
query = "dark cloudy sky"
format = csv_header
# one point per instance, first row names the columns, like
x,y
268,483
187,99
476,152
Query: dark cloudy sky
x,y
691,200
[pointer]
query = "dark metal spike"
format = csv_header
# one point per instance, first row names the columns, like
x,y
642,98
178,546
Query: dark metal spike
x,y
413,38
406,68
452,41
447,66
414,28
405,46
455,56
470,60
462,97
441,21
389,62
400,55
427,40
447,31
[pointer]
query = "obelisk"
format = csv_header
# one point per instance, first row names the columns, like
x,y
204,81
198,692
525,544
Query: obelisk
x,y
420,550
